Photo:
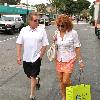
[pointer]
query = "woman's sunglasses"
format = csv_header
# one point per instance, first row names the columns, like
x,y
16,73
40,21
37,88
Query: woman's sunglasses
x,y
62,26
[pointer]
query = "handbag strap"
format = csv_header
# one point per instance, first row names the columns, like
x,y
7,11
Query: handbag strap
x,y
79,77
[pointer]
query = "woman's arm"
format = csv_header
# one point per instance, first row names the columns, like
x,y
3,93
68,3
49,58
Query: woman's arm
x,y
79,57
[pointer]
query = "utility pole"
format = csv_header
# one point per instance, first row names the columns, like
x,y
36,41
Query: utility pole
x,y
27,13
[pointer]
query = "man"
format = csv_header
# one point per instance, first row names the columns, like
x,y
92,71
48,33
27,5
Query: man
x,y
34,40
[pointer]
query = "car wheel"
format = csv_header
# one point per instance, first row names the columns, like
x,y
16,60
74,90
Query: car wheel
x,y
12,31
46,23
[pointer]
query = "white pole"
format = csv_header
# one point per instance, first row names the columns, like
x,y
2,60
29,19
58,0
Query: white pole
x,y
44,21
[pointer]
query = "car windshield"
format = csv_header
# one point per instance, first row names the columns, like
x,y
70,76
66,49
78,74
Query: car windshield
x,y
4,18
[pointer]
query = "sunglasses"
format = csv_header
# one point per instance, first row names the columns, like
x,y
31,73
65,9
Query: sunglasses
x,y
36,20
62,26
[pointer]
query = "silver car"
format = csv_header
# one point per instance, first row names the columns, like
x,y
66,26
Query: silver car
x,y
10,23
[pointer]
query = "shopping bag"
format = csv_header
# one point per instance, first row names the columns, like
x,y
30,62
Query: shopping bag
x,y
51,52
78,92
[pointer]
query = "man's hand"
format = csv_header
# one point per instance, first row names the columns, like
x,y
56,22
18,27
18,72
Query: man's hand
x,y
43,50
19,61
19,47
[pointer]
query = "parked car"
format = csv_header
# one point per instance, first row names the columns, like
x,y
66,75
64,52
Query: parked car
x,y
45,20
10,23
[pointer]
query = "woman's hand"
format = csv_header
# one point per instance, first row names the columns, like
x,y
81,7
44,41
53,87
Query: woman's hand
x,y
82,65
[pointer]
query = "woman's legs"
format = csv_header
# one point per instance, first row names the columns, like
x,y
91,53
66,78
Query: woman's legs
x,y
62,89
64,80
33,84
67,82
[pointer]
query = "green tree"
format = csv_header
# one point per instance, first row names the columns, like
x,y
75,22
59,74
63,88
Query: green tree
x,y
41,8
10,2
82,4
70,6
92,10
85,13
57,4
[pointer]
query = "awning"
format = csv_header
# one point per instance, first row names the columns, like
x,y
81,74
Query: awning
x,y
12,10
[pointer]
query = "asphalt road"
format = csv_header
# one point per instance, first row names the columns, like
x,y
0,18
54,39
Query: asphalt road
x,y
14,85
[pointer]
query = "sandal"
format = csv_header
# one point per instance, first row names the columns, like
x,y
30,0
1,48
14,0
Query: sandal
x,y
38,83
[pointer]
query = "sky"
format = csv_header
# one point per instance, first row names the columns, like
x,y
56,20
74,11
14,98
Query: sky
x,y
33,2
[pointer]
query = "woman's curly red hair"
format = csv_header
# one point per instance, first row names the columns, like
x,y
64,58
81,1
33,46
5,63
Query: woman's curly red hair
x,y
64,19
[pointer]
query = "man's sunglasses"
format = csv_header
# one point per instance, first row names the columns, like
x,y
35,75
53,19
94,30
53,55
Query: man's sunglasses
x,y
36,20
62,26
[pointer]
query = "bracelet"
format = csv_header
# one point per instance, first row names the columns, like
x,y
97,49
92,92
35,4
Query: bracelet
x,y
80,61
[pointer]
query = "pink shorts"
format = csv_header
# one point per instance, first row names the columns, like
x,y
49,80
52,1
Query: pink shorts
x,y
66,67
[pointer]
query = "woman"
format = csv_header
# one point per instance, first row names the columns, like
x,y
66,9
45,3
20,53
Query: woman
x,y
68,51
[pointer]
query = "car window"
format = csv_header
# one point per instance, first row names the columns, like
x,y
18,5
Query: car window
x,y
17,19
4,18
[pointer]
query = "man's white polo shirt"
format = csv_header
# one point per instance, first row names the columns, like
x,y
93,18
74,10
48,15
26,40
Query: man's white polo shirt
x,y
32,40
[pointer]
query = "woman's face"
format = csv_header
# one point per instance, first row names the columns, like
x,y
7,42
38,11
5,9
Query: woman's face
x,y
62,27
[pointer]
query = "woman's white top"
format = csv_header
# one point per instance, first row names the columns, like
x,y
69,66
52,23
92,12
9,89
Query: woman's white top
x,y
32,40
66,46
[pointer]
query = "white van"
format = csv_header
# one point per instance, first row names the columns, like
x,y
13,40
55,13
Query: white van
x,y
11,23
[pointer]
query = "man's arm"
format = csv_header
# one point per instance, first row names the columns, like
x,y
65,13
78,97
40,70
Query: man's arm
x,y
43,50
19,53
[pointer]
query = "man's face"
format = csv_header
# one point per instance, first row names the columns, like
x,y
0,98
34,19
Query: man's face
x,y
34,22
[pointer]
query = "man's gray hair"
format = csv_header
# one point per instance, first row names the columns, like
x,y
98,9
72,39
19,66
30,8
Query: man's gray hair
x,y
31,14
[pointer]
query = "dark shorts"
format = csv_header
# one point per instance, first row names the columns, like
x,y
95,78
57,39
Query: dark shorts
x,y
32,69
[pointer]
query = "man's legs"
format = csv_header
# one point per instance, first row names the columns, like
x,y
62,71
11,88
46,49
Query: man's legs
x,y
33,85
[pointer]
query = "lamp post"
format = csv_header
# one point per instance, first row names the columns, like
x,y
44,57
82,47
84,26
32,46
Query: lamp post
x,y
27,13
27,7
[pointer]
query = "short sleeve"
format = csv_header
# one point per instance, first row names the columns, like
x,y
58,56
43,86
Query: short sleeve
x,y
20,38
44,39
76,40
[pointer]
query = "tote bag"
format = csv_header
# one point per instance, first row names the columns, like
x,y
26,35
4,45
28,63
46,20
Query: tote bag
x,y
51,53
80,91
